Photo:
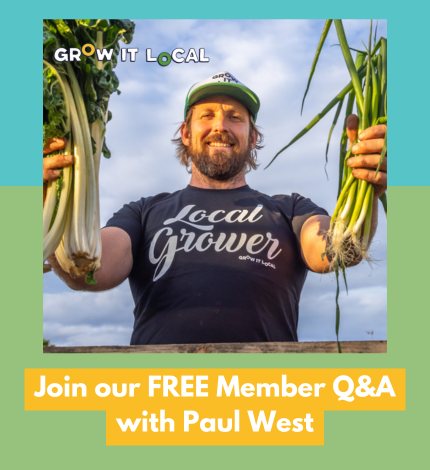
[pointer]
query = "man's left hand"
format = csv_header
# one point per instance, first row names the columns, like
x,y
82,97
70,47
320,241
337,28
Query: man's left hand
x,y
369,148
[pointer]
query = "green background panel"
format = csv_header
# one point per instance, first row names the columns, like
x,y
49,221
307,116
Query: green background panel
x,y
77,439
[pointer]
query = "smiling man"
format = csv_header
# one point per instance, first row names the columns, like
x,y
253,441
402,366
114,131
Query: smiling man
x,y
219,261
220,156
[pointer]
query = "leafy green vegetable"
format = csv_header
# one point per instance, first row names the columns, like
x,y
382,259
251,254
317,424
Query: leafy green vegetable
x,y
75,104
97,84
54,109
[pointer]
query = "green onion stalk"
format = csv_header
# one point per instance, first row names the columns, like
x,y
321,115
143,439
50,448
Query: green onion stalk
x,y
349,235
75,105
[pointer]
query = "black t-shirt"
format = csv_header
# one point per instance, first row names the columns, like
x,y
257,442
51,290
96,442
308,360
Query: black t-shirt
x,y
213,266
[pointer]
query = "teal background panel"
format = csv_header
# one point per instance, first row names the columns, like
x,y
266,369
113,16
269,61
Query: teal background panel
x,y
22,99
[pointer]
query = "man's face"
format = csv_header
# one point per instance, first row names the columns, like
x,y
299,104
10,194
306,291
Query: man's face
x,y
219,137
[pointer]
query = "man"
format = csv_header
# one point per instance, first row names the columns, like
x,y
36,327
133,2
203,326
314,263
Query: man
x,y
219,261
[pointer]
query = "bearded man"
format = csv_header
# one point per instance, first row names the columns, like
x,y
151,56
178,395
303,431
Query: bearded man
x,y
219,261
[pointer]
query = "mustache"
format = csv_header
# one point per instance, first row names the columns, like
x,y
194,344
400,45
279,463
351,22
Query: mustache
x,y
221,138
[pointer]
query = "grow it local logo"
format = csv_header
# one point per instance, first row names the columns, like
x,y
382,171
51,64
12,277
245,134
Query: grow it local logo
x,y
178,55
74,54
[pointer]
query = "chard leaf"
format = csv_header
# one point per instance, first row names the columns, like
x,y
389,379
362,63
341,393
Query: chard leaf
x,y
90,90
116,52
106,79
96,84
126,29
101,24
94,112
48,37
111,36
93,145
89,278
54,110
105,150
67,34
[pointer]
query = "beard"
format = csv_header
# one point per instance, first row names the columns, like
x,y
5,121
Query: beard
x,y
220,165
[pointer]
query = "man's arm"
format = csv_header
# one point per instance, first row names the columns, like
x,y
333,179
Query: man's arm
x,y
116,263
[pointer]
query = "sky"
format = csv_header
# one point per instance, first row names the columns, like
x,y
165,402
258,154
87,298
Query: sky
x,y
273,58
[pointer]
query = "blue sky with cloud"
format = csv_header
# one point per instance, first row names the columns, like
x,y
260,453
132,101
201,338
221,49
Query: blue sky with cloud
x,y
273,58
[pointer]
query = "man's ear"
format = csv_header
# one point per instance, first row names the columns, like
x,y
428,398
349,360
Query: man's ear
x,y
185,134
254,138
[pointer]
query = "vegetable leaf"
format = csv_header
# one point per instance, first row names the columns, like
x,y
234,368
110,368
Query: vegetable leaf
x,y
317,54
89,278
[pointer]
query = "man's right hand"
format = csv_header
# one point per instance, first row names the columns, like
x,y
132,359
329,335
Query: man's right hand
x,y
116,263
117,258
52,164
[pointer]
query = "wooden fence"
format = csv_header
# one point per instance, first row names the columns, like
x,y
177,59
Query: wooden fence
x,y
311,347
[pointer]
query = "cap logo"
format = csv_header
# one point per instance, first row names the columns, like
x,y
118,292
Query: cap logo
x,y
223,83
228,77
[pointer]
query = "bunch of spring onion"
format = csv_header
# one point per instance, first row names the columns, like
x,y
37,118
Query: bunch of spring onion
x,y
75,106
348,237
350,224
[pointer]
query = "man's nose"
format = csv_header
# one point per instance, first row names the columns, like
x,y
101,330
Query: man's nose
x,y
220,123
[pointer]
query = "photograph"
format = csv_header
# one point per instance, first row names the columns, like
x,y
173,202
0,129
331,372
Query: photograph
x,y
220,183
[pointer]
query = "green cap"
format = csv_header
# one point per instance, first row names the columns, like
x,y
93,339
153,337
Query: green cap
x,y
223,83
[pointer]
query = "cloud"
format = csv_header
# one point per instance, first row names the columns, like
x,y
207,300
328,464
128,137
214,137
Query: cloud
x,y
363,309
88,319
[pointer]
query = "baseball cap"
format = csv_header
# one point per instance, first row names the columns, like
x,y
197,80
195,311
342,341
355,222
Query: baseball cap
x,y
223,83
